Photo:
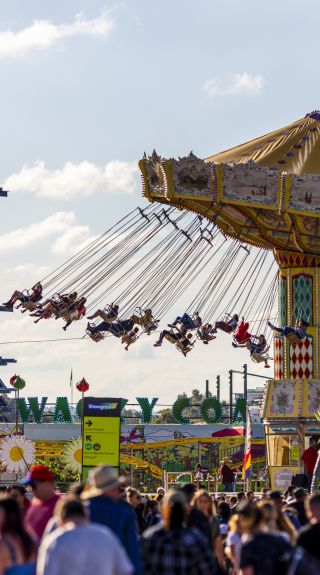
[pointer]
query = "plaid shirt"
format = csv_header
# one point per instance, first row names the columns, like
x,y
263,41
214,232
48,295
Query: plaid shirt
x,y
177,552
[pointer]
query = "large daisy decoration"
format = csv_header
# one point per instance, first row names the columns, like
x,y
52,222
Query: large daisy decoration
x,y
17,453
72,455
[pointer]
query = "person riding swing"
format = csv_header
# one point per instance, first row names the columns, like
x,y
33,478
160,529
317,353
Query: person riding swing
x,y
293,334
187,321
258,349
241,335
109,314
25,298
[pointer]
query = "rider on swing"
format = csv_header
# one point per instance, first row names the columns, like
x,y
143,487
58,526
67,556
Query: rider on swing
x,y
108,314
54,306
258,347
180,338
117,329
299,330
241,335
205,333
188,322
227,326
35,296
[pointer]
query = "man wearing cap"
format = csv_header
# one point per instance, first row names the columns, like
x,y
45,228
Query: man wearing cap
x,y
106,507
41,479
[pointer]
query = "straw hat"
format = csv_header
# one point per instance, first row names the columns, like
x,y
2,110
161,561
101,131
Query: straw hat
x,y
225,461
101,479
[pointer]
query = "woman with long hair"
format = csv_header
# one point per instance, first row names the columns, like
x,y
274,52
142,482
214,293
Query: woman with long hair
x,y
277,522
17,548
135,499
172,548
263,551
203,502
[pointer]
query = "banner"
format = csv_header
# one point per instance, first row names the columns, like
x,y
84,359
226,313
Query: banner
x,y
100,433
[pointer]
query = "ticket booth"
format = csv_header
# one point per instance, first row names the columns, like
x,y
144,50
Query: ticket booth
x,y
288,412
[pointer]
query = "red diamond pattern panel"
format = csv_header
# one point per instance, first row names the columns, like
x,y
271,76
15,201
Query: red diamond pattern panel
x,y
301,359
278,358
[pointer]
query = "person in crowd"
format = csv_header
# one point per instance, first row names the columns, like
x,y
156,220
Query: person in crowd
x,y
224,512
151,513
263,494
227,475
309,536
173,548
228,326
188,322
134,498
300,496
17,547
289,494
299,330
195,518
108,508
250,496
277,522
161,491
18,492
263,552
108,314
241,499
42,481
203,502
34,297
80,547
233,543
309,458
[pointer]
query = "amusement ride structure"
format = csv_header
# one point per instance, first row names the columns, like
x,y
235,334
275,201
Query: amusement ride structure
x,y
213,240
266,193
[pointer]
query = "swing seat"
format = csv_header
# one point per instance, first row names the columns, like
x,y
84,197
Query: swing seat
x,y
28,305
292,338
151,326
95,336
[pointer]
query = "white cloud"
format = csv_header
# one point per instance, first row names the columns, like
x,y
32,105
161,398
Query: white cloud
x,y
72,241
239,83
44,34
84,178
27,235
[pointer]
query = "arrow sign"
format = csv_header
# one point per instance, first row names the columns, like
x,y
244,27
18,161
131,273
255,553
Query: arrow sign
x,y
88,437
89,423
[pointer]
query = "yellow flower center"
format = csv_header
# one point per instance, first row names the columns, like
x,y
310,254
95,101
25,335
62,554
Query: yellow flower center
x,y
78,456
16,454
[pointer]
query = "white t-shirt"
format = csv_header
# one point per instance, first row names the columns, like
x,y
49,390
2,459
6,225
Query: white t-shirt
x,y
81,550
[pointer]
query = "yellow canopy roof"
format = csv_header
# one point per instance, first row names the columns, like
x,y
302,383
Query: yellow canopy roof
x,y
294,149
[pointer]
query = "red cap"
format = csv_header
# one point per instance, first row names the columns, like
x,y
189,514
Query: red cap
x,y
39,473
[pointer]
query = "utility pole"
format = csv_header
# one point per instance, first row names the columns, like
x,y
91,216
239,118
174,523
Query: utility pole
x,y
230,394
218,387
207,388
245,381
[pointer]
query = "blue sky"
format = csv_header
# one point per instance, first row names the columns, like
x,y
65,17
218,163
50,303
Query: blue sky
x,y
86,88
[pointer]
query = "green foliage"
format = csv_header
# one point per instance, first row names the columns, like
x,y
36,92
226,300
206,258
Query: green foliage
x,y
146,408
32,408
211,403
178,408
239,413
62,412
164,416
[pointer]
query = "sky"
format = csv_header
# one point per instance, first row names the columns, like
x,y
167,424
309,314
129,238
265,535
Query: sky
x,y
87,87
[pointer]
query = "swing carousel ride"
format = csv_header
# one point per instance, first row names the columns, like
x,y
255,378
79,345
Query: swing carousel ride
x,y
211,241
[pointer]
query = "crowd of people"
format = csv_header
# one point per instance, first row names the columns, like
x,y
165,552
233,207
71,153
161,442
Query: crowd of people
x,y
107,527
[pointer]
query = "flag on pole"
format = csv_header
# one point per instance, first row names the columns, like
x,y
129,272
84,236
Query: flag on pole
x,y
71,386
246,470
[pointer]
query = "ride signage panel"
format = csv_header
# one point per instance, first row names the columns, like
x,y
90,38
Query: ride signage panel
x,y
100,432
